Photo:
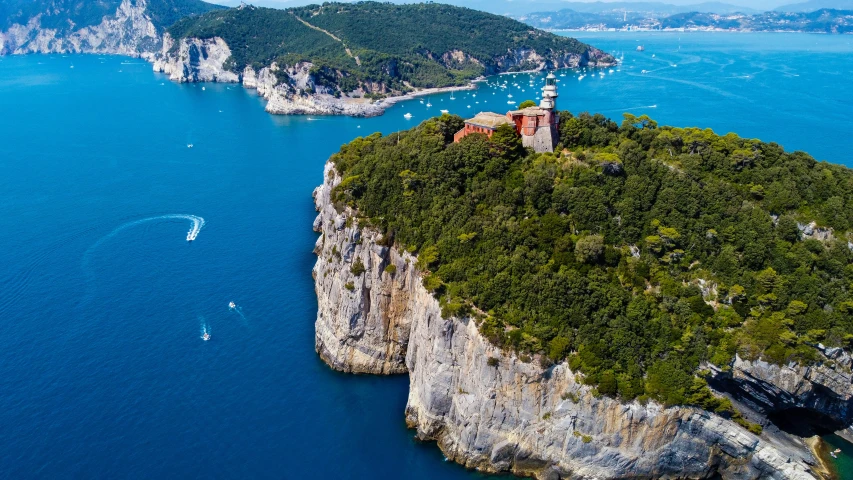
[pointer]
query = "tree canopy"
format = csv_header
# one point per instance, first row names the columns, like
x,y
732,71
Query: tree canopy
x,y
420,45
637,252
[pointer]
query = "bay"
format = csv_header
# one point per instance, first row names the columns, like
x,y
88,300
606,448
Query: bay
x,y
103,301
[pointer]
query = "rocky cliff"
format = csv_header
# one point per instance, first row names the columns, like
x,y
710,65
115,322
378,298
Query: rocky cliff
x,y
491,410
128,32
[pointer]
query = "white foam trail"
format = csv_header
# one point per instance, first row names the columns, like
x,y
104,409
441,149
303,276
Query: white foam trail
x,y
205,329
197,223
239,310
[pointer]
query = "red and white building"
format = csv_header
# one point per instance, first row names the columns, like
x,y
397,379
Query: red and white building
x,y
538,126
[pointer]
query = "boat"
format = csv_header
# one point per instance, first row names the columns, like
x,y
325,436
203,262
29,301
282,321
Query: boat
x,y
644,71
509,96
428,104
203,88
445,111
469,106
232,305
422,101
408,116
640,48
511,102
833,455
205,337
189,145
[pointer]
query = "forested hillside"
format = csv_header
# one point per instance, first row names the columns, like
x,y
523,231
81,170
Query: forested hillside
x,y
424,45
638,252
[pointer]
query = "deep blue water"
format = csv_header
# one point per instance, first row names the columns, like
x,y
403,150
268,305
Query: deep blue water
x,y
103,373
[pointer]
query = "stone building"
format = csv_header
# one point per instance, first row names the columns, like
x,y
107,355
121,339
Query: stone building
x,y
538,126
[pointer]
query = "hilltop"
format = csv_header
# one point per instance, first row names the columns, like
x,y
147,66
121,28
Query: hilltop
x,y
356,59
644,302
383,47
637,253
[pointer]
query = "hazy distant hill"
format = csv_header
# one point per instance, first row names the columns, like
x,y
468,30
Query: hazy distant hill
x,y
129,27
820,21
812,5
76,14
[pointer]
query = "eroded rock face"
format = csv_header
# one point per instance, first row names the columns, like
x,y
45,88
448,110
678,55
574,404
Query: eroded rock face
x,y
364,325
128,32
196,60
488,409
825,388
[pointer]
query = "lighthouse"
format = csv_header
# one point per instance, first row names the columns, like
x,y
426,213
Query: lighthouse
x,y
538,126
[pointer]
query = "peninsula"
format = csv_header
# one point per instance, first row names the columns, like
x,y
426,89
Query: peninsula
x,y
338,58
643,302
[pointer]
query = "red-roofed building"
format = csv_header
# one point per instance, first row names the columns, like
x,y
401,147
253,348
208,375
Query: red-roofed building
x,y
538,126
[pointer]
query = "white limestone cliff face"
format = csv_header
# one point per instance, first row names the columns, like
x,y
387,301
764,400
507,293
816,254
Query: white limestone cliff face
x,y
128,32
506,415
196,60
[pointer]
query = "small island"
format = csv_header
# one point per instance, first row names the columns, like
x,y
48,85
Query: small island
x,y
639,301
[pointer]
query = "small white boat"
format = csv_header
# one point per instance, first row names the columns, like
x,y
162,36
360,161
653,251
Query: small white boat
x,y
189,145
444,111
422,101
511,102
428,105
232,305
205,337
408,116
509,96
203,88
72,66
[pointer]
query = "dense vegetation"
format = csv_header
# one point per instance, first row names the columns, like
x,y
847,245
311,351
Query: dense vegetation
x,y
388,44
76,14
638,252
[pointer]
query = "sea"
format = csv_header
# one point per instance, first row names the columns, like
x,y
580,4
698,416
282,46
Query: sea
x,y
106,170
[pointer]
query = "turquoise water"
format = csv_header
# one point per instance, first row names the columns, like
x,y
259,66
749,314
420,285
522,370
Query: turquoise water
x,y
844,462
104,372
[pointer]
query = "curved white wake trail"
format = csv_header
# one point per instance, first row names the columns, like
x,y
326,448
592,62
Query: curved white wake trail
x,y
196,224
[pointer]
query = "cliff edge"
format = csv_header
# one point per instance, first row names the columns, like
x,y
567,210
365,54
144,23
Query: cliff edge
x,y
493,411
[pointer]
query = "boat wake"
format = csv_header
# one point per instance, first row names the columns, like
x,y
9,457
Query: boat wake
x,y
205,329
196,224
239,311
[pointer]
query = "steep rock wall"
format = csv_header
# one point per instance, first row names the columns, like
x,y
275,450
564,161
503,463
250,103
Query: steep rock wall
x,y
196,60
506,415
128,32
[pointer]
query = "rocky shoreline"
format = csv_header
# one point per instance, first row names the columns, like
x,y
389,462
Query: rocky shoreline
x,y
289,90
495,412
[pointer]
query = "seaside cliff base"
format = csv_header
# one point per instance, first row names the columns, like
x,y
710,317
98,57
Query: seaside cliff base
x,y
492,411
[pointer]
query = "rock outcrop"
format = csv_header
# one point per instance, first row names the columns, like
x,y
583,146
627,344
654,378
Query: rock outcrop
x,y
496,412
128,32
195,60
824,389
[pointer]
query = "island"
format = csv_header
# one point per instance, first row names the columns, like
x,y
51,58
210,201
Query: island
x,y
641,301
334,59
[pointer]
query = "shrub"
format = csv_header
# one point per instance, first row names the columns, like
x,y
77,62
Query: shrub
x,y
357,267
493,362
350,286
391,269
